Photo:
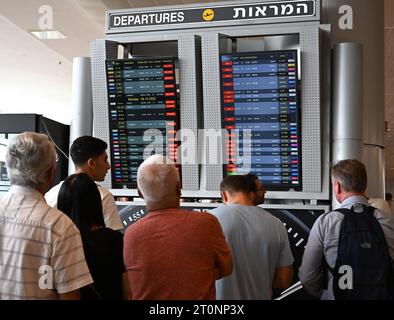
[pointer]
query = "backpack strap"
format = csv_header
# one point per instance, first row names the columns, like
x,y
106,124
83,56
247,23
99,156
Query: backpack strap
x,y
344,211
325,267
367,209
370,209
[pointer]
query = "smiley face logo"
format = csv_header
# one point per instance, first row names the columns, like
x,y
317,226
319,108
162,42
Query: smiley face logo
x,y
208,15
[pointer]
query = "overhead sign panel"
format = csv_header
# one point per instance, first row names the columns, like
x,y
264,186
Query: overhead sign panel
x,y
208,16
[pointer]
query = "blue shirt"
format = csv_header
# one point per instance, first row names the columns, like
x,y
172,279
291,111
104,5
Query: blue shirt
x,y
259,244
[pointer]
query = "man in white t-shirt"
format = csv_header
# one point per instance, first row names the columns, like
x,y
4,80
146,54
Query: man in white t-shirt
x,y
89,156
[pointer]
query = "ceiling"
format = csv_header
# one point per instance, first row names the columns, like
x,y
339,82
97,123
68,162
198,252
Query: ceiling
x,y
42,70
37,74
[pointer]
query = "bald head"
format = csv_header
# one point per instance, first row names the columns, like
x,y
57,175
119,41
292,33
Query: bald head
x,y
158,181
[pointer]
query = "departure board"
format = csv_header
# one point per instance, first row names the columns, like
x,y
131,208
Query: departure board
x,y
143,114
261,112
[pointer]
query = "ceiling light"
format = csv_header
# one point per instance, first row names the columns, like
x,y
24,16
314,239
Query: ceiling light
x,y
48,34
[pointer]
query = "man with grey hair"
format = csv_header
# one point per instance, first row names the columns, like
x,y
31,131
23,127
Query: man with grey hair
x,y
171,253
41,252
349,183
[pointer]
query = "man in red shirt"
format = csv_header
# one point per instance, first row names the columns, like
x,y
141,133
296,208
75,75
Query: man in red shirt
x,y
171,253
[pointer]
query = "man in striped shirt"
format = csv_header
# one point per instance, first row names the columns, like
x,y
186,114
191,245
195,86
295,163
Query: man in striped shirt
x,y
41,253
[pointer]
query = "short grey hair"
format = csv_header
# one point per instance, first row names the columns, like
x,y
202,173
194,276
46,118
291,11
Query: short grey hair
x,y
155,176
29,158
351,175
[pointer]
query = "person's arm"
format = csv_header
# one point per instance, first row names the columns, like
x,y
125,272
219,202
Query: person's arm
x,y
72,295
223,257
284,268
310,271
118,250
125,286
283,277
68,266
110,211
224,264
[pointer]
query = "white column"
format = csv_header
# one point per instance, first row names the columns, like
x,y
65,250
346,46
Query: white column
x,y
81,104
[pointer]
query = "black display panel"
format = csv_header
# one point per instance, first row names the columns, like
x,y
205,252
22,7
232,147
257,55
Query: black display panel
x,y
261,111
13,124
142,96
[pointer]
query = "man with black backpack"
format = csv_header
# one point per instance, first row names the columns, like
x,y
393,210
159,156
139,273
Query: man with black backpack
x,y
350,250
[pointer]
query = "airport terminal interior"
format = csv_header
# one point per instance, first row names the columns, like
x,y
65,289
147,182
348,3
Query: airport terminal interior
x,y
284,90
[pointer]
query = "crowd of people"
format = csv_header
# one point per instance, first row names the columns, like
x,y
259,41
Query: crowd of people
x,y
68,242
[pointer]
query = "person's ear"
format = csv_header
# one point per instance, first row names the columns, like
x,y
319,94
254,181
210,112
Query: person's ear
x,y
338,187
251,195
224,196
140,193
91,162
50,176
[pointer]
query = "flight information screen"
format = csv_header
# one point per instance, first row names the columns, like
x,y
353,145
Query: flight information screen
x,y
143,114
261,112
